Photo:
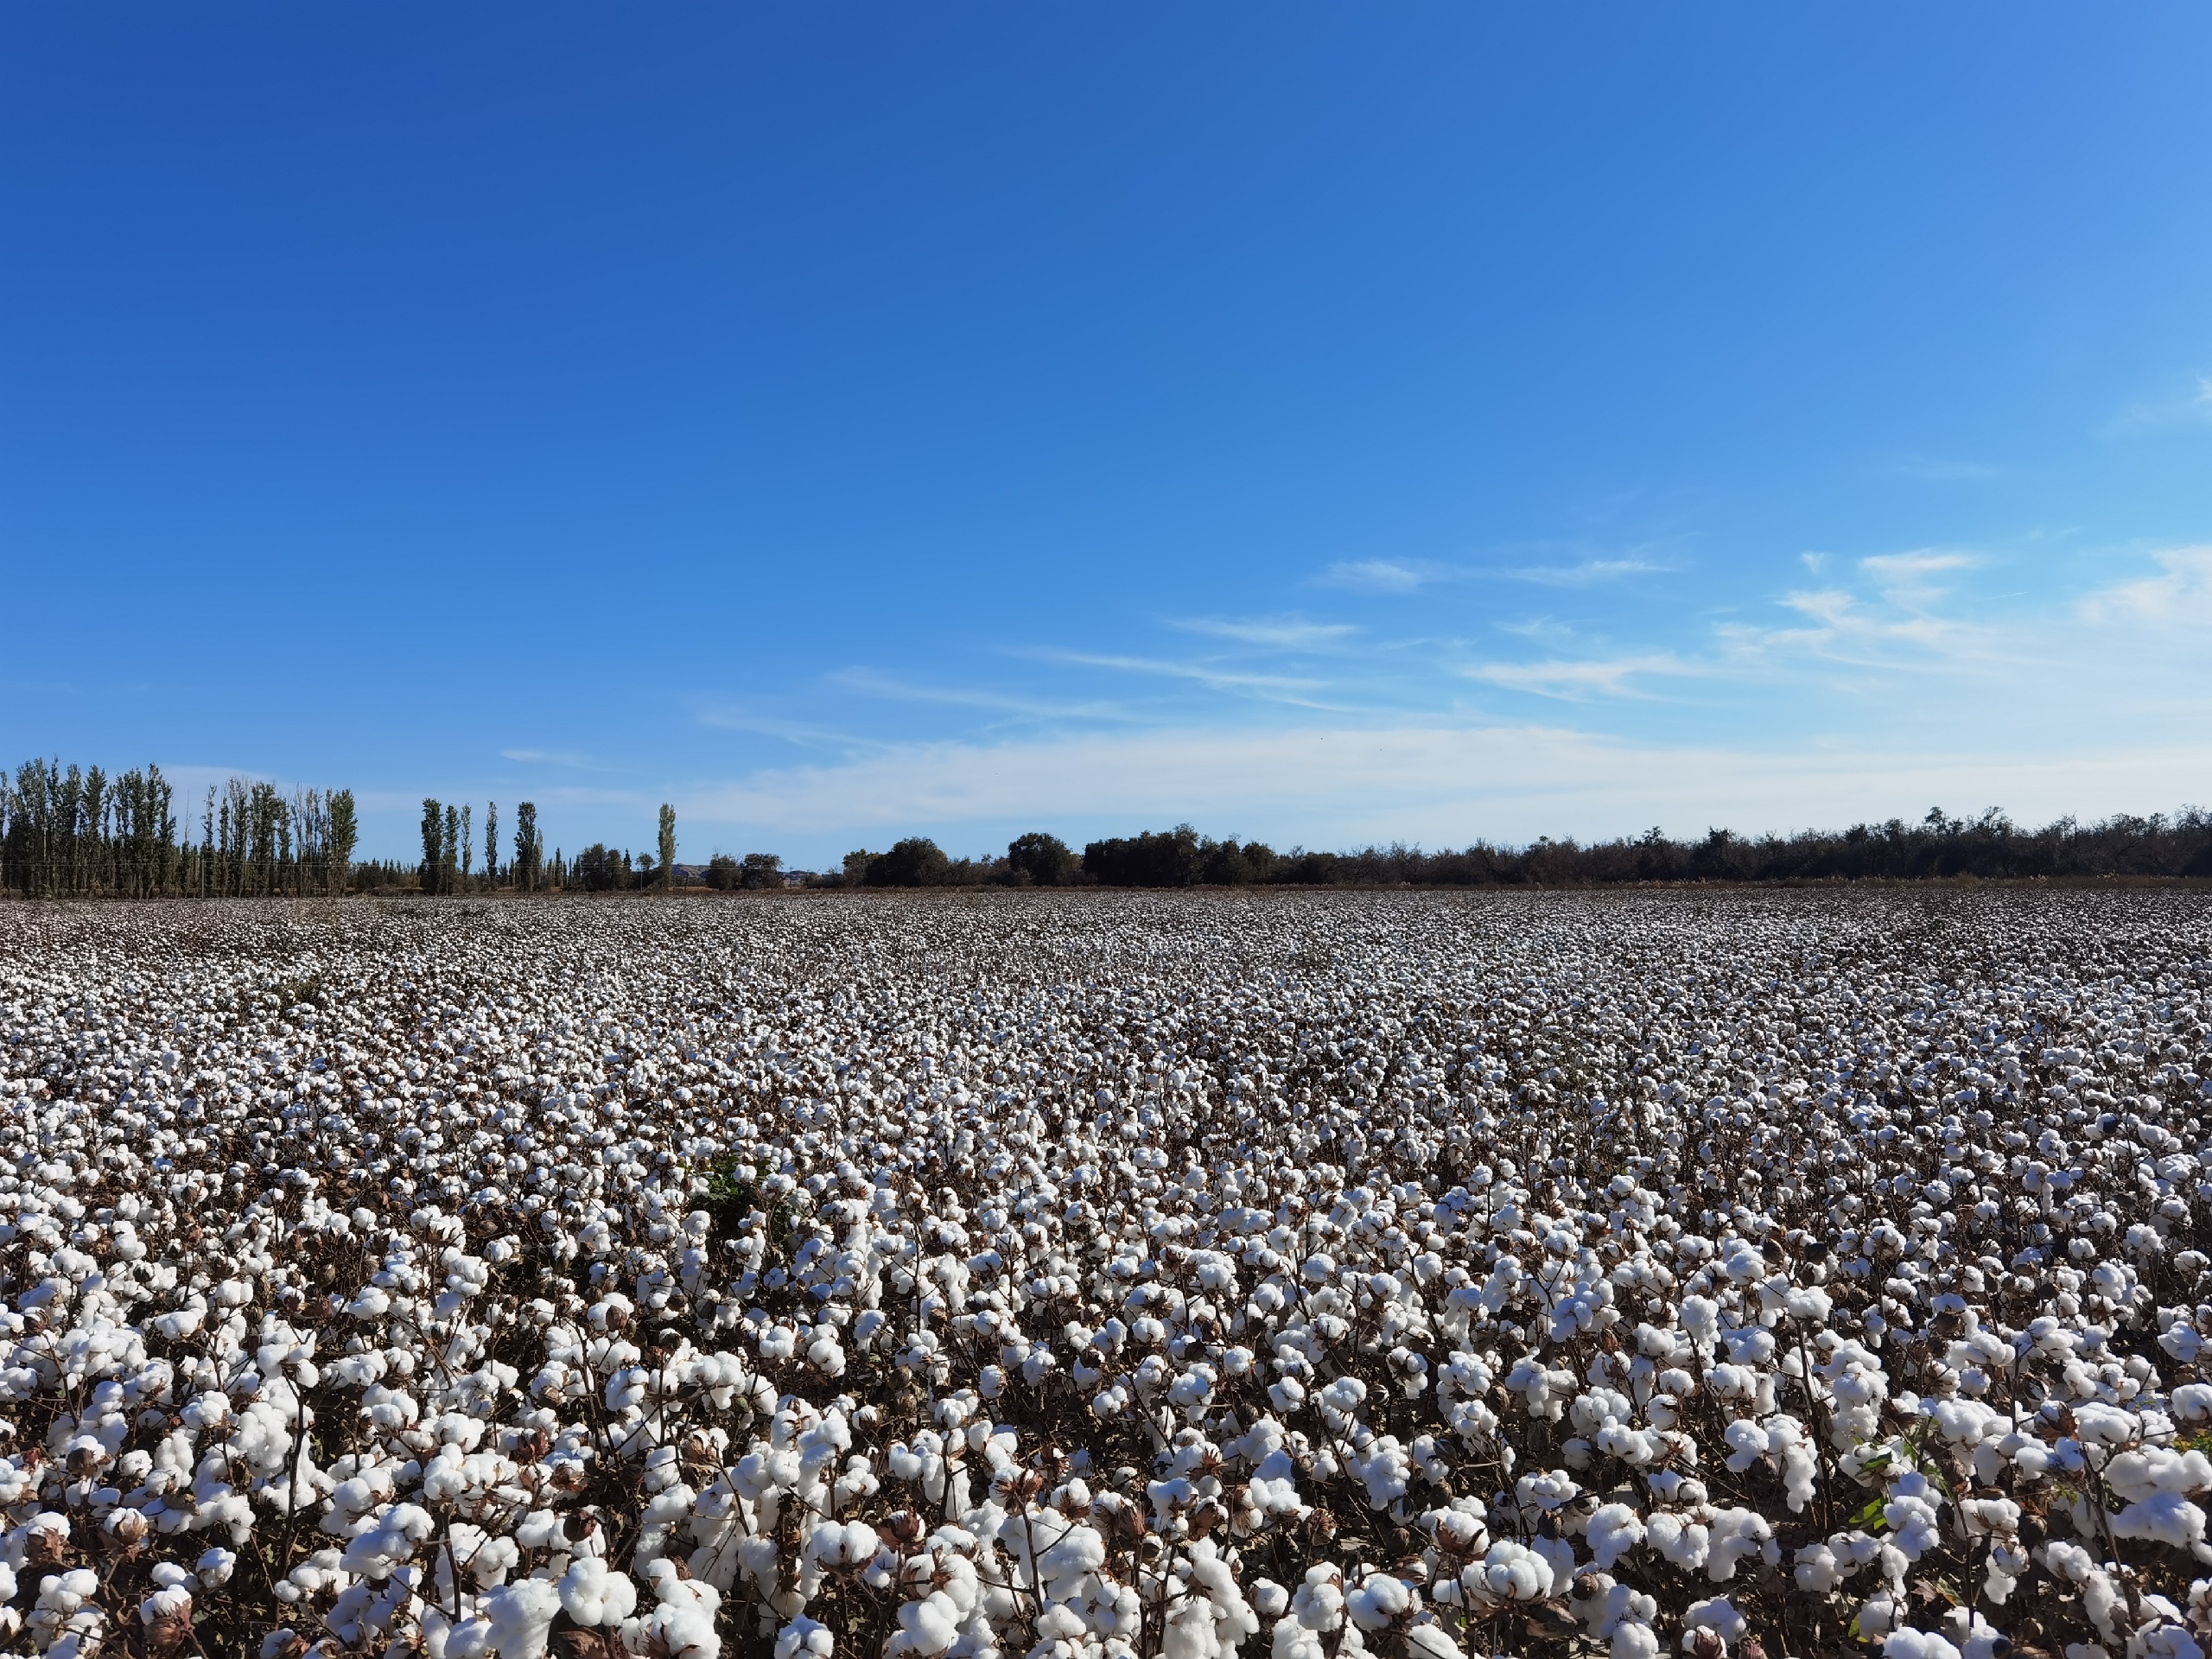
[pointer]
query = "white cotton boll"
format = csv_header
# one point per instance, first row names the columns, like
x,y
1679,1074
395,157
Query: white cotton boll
x,y
802,1638
1510,1572
1547,1491
1615,1528
1060,1622
1720,1617
1379,1599
1384,1469
593,1593
1876,1615
1738,1535
1685,1542
1461,1529
1747,1443
215,1566
1909,1643
2145,1472
175,1603
1320,1603
2098,1424
1270,1599
1914,1525
927,1627
2165,1517
519,1618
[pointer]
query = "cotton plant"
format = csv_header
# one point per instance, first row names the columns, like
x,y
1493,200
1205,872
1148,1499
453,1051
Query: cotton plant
x,y
1653,1273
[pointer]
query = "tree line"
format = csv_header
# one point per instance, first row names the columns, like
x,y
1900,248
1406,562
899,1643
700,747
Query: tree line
x,y
1938,847
79,832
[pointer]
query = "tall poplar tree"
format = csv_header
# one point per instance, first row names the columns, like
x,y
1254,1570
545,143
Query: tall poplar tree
x,y
492,845
345,832
529,850
433,843
667,846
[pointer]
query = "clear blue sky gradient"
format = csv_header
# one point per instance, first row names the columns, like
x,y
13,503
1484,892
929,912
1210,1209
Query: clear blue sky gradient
x,y
1322,423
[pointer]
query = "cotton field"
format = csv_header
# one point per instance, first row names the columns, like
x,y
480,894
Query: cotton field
x,y
1109,1275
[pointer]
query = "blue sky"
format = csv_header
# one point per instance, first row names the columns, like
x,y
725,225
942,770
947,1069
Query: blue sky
x,y
1324,423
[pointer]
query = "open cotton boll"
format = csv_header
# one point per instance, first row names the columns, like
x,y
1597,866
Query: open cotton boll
x,y
1614,1529
1719,1618
1647,1231
927,1627
2165,1518
1909,1643
173,1603
519,1618
594,1593
1509,1572
1379,1600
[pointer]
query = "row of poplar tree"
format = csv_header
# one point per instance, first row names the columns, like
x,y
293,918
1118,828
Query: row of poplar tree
x,y
449,855
79,832
450,850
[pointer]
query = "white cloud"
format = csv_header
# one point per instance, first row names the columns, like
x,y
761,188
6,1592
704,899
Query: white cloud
x,y
2181,595
1388,576
1589,574
1281,633
1574,677
546,757
1441,785
1910,572
2174,408
1902,627
802,734
868,683
1216,679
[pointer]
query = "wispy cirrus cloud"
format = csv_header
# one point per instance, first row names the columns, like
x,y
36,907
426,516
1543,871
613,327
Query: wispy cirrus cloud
x,y
1389,575
806,734
2180,594
1576,678
1915,570
549,758
868,683
1205,674
1277,632
2187,406
1444,784
1589,573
